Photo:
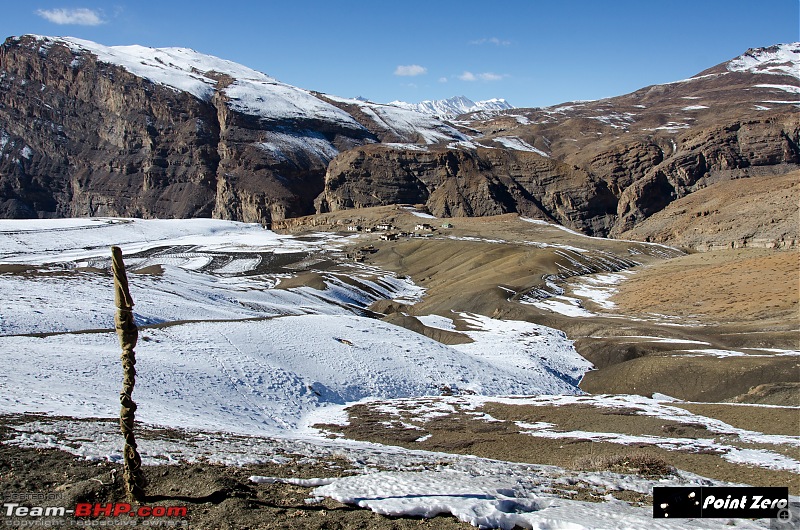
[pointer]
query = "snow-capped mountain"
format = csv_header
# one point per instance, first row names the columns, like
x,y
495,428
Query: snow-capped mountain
x,y
87,129
781,59
455,106
263,144
248,91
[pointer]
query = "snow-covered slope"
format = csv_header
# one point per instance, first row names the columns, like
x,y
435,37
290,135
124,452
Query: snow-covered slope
x,y
455,106
254,93
233,350
782,59
250,92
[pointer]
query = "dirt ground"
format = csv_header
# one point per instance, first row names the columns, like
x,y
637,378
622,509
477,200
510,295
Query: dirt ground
x,y
215,496
732,286
467,432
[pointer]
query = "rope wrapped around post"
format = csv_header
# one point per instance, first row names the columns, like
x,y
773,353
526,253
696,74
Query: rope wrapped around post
x,y
128,334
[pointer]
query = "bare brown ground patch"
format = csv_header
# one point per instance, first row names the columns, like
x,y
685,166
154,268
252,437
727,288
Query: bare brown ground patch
x,y
589,418
768,420
154,270
469,434
701,378
783,394
216,496
744,285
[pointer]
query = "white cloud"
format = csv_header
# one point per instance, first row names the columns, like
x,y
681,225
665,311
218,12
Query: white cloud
x,y
443,80
80,16
410,70
492,40
485,76
489,76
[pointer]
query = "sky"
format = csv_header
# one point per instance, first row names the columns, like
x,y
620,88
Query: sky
x,y
532,53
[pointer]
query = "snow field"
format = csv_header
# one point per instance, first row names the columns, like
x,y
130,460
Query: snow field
x,y
233,352
263,376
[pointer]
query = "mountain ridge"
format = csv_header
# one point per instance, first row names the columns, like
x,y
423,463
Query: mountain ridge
x,y
87,129
454,107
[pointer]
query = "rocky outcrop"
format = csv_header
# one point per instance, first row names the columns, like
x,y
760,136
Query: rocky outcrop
x,y
479,182
706,156
84,137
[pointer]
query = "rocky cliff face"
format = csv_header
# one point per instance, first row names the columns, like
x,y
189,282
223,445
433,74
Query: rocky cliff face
x,y
707,156
84,136
129,131
601,190
469,182
758,211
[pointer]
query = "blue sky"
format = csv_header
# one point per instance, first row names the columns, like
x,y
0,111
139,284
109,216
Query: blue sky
x,y
533,53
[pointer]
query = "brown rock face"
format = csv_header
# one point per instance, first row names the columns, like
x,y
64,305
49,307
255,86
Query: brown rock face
x,y
82,137
459,183
91,139
707,156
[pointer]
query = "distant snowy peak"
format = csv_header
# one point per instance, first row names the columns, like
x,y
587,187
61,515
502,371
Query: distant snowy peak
x,y
455,106
782,59
408,124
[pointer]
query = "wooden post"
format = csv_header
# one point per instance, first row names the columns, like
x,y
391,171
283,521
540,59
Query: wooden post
x,y
128,334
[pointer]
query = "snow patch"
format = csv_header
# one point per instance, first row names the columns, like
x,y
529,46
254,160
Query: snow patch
x,y
783,59
417,213
599,288
670,127
792,89
493,500
406,147
281,145
518,144
563,305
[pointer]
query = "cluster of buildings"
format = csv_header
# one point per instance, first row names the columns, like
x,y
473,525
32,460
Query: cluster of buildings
x,y
420,230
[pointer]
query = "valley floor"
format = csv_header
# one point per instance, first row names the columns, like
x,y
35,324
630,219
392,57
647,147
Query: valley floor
x,y
288,380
